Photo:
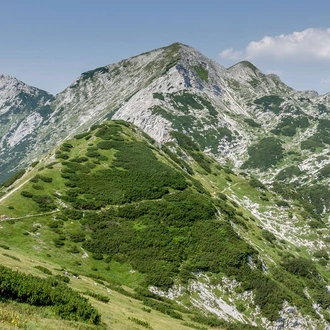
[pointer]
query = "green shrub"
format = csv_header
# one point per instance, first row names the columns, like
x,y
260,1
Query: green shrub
x,y
10,256
270,237
77,236
252,123
222,196
34,164
270,103
62,278
81,136
61,155
13,178
184,141
74,249
36,291
141,323
300,266
288,173
321,254
240,306
37,187
325,171
98,296
58,242
79,159
35,179
255,183
107,131
44,270
163,308
72,214
266,153
92,154
202,73
67,145
158,96
27,194
282,204
97,256
106,145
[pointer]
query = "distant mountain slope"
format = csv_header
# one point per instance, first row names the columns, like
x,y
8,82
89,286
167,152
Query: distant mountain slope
x,y
22,110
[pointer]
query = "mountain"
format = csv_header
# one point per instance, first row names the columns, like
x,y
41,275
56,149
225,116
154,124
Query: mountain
x,y
177,88
169,227
247,151
22,109
240,116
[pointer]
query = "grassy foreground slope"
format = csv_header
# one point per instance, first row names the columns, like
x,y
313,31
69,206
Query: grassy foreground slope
x,y
116,215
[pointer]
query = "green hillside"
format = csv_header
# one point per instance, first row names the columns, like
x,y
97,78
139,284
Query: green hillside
x,y
120,220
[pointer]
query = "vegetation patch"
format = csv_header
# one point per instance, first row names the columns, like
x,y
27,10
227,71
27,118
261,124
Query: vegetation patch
x,y
266,153
288,125
202,73
36,291
97,296
270,103
158,96
318,195
44,270
320,138
185,100
288,173
252,123
13,178
125,181
143,324
90,74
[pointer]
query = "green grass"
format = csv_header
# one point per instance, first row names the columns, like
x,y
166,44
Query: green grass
x,y
115,313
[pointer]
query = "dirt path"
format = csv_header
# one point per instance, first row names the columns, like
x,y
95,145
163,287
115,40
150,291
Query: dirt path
x,y
30,216
229,188
13,190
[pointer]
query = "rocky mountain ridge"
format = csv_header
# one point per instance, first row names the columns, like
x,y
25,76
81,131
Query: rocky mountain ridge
x,y
240,116
228,109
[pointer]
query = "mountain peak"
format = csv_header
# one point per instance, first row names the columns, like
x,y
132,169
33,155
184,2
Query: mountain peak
x,y
11,85
243,65
6,80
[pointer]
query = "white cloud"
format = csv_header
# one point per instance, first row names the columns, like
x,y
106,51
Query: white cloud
x,y
305,46
326,81
231,54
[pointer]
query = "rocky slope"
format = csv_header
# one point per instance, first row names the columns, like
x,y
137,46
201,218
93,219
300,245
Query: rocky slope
x,y
22,111
177,88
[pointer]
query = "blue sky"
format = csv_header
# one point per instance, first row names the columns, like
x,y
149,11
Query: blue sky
x,y
47,44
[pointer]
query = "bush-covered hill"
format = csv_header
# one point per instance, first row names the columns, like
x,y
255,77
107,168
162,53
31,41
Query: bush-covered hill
x,y
166,223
